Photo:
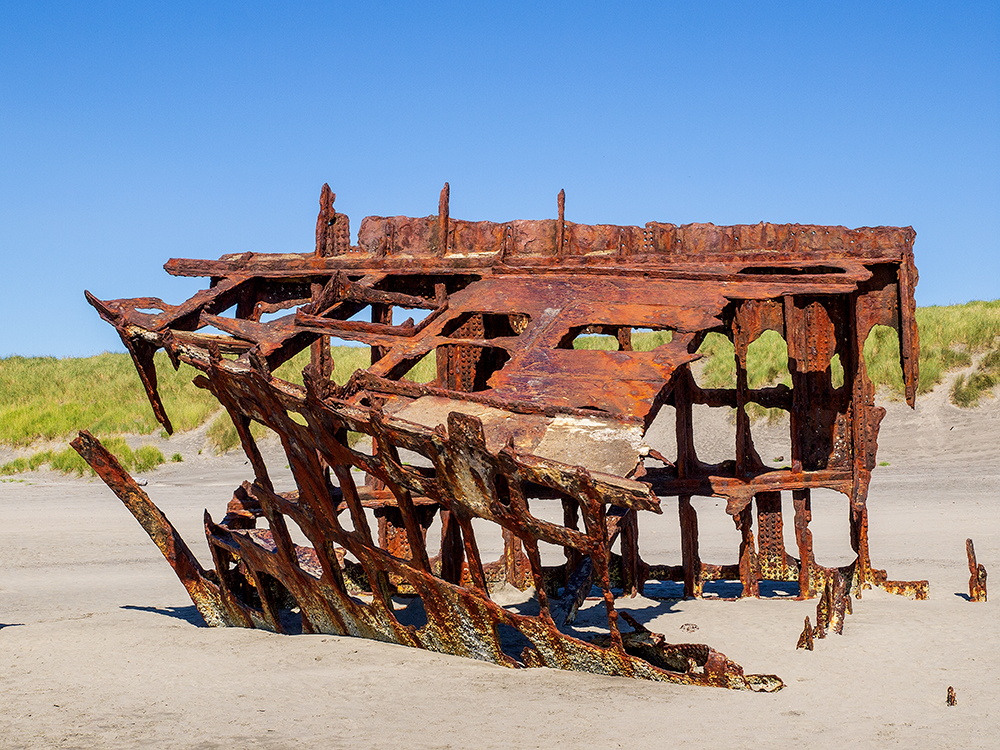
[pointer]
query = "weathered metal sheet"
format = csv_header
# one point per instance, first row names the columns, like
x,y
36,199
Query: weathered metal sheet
x,y
516,414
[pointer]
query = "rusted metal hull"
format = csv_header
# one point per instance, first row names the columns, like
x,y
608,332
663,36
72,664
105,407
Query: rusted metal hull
x,y
515,414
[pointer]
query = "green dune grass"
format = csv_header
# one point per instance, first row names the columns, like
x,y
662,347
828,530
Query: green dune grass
x,y
45,398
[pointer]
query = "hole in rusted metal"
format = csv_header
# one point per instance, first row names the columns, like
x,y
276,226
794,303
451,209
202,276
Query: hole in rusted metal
x,y
551,554
502,490
285,606
717,532
424,284
409,611
779,589
831,528
713,440
789,270
488,325
648,339
880,341
718,368
512,642
660,540
594,336
662,433
767,360
467,368
725,589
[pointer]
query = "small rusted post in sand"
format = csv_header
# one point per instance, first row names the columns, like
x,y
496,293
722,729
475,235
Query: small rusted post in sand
x,y
977,577
806,637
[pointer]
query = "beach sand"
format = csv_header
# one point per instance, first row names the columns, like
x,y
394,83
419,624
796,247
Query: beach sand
x,y
101,647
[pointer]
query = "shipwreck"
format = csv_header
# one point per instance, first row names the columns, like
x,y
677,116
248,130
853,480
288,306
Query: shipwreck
x,y
516,416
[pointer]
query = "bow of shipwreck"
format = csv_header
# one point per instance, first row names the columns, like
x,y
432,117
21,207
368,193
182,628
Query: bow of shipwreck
x,y
517,417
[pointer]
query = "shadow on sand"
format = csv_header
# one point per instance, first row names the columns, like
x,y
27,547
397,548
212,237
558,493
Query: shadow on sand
x,y
188,614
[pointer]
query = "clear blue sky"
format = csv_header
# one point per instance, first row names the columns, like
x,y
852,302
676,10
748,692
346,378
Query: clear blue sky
x,y
135,132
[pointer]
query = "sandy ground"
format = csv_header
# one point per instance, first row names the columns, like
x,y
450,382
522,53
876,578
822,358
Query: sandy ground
x,y
100,646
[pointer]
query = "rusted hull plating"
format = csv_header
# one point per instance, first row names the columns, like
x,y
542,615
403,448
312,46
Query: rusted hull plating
x,y
516,415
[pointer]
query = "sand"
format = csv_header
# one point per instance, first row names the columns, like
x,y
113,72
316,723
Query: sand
x,y
100,646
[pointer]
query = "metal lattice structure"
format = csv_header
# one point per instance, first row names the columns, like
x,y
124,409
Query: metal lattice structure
x,y
517,416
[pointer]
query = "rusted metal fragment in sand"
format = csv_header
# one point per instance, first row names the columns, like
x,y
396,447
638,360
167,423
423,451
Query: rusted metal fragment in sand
x,y
833,606
806,636
977,575
549,350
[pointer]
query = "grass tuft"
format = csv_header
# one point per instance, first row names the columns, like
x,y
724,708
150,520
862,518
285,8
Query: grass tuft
x,y
68,461
967,390
17,466
147,458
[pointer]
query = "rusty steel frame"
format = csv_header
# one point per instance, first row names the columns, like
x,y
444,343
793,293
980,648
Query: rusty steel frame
x,y
515,416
